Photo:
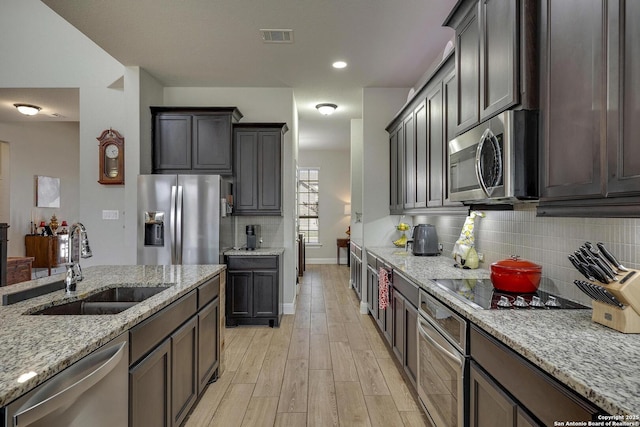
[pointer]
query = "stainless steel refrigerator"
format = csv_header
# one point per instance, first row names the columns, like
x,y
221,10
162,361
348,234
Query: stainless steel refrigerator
x,y
180,219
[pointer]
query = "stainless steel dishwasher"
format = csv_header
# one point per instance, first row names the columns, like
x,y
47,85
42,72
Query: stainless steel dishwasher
x,y
91,392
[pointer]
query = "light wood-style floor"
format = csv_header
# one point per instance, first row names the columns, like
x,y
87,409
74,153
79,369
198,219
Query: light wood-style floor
x,y
325,366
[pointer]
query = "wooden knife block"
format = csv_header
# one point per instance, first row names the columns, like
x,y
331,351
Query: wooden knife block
x,y
627,319
624,320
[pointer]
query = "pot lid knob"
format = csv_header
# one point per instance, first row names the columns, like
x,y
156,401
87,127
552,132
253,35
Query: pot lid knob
x,y
515,257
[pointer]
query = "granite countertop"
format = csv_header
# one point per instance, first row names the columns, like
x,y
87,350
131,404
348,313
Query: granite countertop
x,y
255,252
598,363
45,345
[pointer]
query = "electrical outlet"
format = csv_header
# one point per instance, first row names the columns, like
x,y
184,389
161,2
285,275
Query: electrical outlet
x,y
480,257
110,214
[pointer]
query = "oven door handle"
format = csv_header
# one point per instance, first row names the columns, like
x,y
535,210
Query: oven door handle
x,y
453,356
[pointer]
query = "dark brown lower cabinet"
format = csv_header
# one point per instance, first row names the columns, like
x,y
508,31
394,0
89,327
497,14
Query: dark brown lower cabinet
x,y
505,389
253,290
397,337
184,370
173,355
404,338
490,406
208,343
355,270
150,389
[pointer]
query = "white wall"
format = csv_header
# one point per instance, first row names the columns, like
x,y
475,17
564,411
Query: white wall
x,y
356,179
30,157
379,106
335,192
51,53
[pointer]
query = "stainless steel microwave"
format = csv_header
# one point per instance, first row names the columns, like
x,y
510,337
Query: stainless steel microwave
x,y
496,161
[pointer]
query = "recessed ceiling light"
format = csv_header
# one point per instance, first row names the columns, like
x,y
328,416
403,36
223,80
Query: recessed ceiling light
x,y
339,64
28,109
326,109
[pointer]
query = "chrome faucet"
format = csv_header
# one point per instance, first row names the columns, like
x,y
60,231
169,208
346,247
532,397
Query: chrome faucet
x,y
74,271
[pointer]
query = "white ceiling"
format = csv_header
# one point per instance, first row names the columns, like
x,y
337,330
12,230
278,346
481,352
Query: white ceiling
x,y
217,43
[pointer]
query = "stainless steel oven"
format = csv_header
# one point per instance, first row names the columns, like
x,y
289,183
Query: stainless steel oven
x,y
443,362
496,161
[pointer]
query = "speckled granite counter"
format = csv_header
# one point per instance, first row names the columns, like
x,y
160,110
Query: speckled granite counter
x,y
598,363
255,252
45,345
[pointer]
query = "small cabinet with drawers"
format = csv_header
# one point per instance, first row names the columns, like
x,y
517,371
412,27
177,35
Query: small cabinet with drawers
x,y
253,291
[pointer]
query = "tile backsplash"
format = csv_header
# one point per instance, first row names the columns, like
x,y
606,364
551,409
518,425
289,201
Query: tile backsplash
x,y
546,241
271,228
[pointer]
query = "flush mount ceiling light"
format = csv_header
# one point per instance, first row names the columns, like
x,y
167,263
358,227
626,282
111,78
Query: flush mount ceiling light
x,y
339,64
28,109
326,109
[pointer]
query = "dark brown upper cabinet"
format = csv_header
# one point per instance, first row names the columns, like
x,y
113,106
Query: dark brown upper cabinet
x,y
193,140
590,92
418,146
496,58
257,149
396,168
409,132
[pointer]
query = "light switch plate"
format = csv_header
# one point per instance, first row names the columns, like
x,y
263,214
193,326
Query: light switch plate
x,y
109,214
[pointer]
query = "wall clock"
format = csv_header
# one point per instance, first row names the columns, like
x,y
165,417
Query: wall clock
x,y
111,157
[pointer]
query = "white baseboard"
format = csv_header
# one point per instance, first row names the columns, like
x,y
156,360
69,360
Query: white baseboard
x,y
364,307
289,308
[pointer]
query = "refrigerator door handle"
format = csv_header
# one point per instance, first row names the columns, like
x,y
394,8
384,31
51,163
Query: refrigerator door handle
x,y
179,226
172,222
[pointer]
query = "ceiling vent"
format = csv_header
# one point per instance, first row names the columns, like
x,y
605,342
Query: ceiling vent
x,y
277,36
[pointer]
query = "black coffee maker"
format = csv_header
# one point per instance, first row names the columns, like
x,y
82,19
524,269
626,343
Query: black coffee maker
x,y
253,237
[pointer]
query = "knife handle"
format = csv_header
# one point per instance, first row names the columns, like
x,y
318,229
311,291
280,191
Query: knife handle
x,y
605,269
612,259
597,253
580,267
598,274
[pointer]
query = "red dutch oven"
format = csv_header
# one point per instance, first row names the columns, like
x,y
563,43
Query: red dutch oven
x,y
516,275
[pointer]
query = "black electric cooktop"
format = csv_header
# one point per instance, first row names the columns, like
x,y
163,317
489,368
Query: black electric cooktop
x,y
479,293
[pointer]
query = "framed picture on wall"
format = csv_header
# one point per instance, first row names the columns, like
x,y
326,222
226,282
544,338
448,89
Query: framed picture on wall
x,y
47,192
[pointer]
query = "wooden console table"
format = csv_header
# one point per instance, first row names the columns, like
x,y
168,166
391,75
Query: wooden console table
x,y
342,243
44,250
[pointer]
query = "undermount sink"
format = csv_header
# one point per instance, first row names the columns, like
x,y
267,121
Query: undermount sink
x,y
109,301
126,294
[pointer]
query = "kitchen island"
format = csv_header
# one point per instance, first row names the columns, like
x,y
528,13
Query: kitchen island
x,y
42,346
598,363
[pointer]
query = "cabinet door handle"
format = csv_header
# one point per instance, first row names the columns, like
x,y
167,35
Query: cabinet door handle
x,y
451,355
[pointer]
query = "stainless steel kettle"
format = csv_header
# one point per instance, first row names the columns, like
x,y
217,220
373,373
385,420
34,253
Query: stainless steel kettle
x,y
425,240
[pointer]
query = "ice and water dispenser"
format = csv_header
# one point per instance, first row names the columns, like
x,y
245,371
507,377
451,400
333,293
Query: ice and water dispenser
x,y
154,228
